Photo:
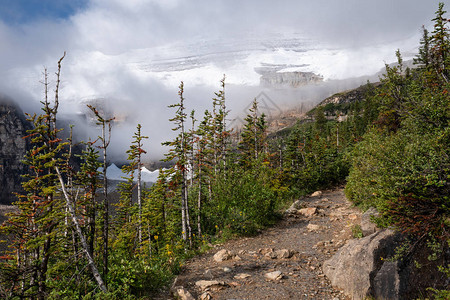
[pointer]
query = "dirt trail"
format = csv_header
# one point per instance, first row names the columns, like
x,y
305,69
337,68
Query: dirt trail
x,y
310,240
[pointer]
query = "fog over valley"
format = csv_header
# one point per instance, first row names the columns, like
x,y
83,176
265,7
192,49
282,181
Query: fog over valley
x,y
130,56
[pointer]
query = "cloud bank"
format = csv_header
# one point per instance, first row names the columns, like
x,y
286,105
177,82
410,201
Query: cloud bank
x,y
134,52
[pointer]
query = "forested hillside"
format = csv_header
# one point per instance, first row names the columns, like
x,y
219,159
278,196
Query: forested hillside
x,y
392,150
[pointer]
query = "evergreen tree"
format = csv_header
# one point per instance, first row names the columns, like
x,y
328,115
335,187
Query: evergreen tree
x,y
104,139
179,152
253,135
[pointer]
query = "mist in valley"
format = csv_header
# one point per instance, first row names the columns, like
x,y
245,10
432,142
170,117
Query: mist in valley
x,y
130,56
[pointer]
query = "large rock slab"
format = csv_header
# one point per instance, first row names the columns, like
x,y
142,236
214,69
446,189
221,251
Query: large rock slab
x,y
355,266
365,268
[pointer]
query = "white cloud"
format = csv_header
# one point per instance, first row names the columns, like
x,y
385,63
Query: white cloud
x,y
130,51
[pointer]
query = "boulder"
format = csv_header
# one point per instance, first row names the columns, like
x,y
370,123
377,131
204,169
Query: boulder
x,y
365,268
354,267
386,284
367,225
222,255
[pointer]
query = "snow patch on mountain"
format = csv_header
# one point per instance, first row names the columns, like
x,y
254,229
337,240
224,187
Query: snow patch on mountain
x,y
113,172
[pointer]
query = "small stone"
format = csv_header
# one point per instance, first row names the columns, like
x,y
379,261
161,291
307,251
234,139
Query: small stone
x,y
183,294
353,217
210,284
316,194
222,255
237,257
313,227
208,273
227,270
242,276
205,296
308,212
275,275
268,253
283,253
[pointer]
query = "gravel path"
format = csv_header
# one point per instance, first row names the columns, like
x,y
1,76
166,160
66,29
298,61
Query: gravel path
x,y
307,241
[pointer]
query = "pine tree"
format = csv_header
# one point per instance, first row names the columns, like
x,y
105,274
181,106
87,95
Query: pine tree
x,y
105,139
423,57
179,152
135,157
253,135
440,44
88,179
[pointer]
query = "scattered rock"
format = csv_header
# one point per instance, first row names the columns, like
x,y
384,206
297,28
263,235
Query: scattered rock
x,y
367,226
205,296
182,294
316,194
308,212
292,210
284,253
209,274
275,275
267,252
222,255
353,217
313,227
242,276
210,285
227,270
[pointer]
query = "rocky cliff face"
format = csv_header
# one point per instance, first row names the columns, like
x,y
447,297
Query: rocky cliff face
x,y
13,126
289,79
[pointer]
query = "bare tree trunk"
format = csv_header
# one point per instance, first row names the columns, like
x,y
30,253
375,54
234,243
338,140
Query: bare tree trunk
x,y
84,244
188,222
139,200
199,202
105,206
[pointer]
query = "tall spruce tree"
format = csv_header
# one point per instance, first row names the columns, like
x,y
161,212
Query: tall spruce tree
x,y
179,153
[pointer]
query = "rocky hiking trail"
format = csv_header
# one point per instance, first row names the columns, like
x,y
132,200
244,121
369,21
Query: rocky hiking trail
x,y
283,262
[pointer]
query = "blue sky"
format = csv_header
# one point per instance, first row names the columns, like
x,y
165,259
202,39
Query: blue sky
x,y
28,11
